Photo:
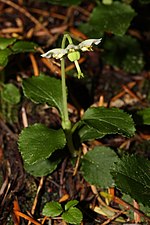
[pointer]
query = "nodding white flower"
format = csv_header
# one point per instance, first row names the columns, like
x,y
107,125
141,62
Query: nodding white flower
x,y
87,44
58,53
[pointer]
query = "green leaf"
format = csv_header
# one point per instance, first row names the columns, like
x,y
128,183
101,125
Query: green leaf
x,y
107,121
72,216
89,133
5,42
47,166
10,94
52,209
114,18
96,166
71,204
63,2
24,46
37,142
124,52
44,89
4,57
145,115
132,176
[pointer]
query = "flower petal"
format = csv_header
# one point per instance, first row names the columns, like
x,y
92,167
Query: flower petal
x,y
56,53
87,44
72,47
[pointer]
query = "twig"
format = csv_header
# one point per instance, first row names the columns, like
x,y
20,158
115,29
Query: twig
x,y
26,217
131,93
36,197
77,163
16,208
34,64
53,68
136,215
94,189
114,217
125,204
24,117
101,101
119,95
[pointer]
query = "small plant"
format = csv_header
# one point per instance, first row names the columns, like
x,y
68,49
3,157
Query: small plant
x,y
42,148
69,213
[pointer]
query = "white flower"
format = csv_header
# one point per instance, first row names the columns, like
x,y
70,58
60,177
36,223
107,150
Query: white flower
x,y
87,44
58,53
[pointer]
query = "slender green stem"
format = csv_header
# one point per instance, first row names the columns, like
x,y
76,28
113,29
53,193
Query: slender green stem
x,y
66,124
65,120
66,36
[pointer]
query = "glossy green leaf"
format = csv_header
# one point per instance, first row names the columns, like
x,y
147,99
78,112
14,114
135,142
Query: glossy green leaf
x,y
132,176
37,142
47,166
145,116
4,57
114,18
62,2
89,133
124,52
71,203
10,94
24,46
5,42
96,166
52,209
44,89
106,121
73,216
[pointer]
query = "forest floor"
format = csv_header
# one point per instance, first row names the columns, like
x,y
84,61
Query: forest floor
x,y
45,24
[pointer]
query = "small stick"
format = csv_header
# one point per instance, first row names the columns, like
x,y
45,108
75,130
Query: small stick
x,y
126,89
125,204
34,64
36,197
119,95
16,208
77,163
44,219
101,101
26,217
114,217
75,32
24,117
136,215
51,66
94,190
12,30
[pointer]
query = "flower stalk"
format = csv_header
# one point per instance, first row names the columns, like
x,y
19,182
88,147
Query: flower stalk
x,y
73,53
